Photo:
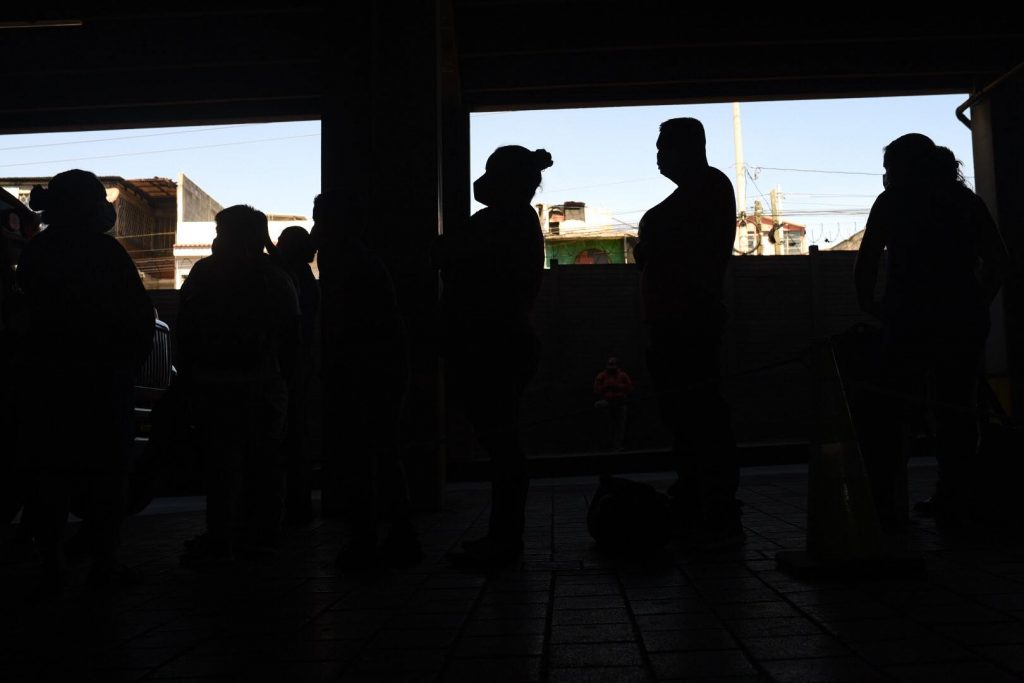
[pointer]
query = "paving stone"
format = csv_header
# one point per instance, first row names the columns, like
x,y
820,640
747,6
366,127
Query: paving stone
x,y
910,651
613,615
565,655
505,670
592,633
824,670
975,671
688,640
794,647
499,646
701,665
633,674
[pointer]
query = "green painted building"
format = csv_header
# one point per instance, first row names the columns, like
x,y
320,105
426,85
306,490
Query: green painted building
x,y
575,235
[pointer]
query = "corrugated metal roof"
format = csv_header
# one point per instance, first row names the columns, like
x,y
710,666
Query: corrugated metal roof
x,y
154,188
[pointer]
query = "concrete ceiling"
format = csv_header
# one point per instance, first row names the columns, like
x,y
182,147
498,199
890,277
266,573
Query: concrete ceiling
x,y
178,66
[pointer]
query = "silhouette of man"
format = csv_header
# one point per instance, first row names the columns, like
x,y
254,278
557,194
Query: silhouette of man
x,y
684,245
238,349
935,319
612,386
296,251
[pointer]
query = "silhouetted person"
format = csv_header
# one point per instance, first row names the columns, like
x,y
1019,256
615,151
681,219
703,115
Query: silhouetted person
x,y
365,383
11,487
17,225
492,269
612,387
945,261
296,251
89,328
238,348
684,245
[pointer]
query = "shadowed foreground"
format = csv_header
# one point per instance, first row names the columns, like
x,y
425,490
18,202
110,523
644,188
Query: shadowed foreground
x,y
566,613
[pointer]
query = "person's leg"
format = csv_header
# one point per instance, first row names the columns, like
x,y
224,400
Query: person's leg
x,y
105,496
401,545
219,425
888,413
619,415
263,490
494,414
708,439
360,479
298,452
493,405
46,509
223,493
704,446
957,372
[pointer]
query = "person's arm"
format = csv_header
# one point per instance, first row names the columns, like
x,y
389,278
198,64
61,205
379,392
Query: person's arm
x,y
465,242
715,238
640,247
186,330
995,262
865,268
289,330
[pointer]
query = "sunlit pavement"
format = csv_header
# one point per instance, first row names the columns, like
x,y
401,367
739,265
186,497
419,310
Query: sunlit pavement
x,y
566,613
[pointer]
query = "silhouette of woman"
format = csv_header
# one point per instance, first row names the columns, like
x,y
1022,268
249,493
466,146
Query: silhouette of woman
x,y
79,281
491,269
945,264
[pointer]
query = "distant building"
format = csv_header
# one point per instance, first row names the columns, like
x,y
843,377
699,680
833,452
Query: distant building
x,y
785,239
851,243
575,234
195,241
147,214
165,225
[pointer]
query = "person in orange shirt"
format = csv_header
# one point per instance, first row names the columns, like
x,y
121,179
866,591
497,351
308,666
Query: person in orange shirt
x,y
612,386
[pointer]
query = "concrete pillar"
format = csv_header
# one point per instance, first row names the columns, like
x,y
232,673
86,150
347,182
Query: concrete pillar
x,y
382,139
997,124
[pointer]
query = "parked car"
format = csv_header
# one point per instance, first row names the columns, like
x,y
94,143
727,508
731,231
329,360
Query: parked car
x,y
153,379
151,383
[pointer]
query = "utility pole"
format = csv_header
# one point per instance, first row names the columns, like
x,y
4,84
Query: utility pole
x,y
741,171
757,227
777,231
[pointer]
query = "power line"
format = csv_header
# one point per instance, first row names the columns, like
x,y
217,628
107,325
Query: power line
x,y
587,187
815,170
832,204
161,151
755,187
124,137
817,194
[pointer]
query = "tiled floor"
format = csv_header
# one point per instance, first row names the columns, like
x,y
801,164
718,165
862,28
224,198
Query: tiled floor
x,y
567,614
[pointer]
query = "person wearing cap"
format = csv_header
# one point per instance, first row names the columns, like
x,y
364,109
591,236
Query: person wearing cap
x,y
89,328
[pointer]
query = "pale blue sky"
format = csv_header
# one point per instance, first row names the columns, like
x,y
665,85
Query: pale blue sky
x,y
604,157
273,166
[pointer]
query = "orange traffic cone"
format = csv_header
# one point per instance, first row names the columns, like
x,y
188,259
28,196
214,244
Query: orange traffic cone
x,y
844,535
